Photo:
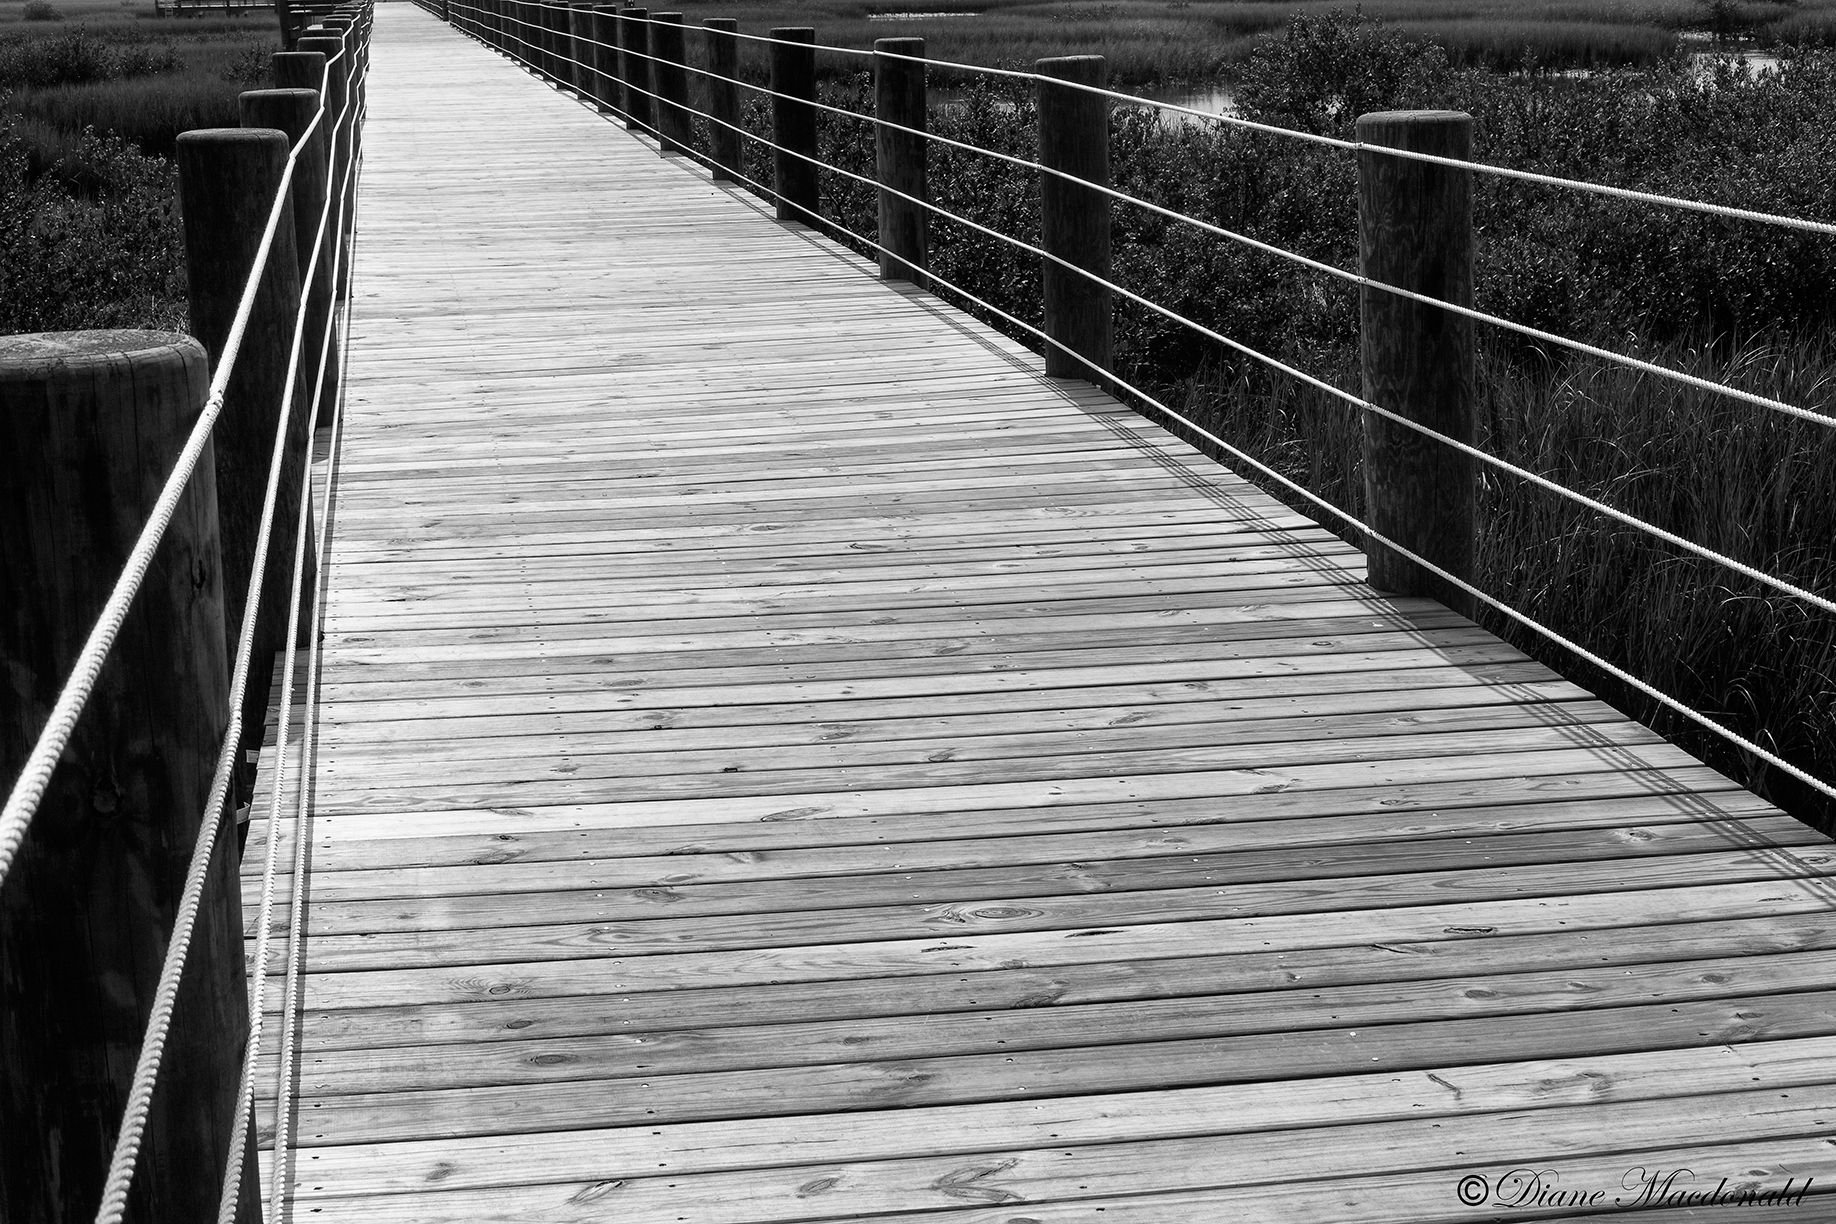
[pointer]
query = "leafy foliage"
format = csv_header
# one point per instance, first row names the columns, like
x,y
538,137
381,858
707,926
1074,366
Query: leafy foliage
x,y
99,252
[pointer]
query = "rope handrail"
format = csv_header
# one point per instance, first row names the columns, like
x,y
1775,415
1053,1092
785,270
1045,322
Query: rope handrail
x,y
1786,588
245,1095
1681,377
1549,180
146,1071
29,789
1543,482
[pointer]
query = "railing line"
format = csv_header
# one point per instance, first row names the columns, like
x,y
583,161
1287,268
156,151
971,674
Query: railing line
x,y
1355,146
1503,465
29,789
146,1071
245,1094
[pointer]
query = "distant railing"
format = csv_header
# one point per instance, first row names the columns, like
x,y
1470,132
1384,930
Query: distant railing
x,y
133,768
1415,175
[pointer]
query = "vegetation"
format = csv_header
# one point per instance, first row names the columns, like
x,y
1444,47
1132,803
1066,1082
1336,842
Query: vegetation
x,y
1150,42
1724,300
92,100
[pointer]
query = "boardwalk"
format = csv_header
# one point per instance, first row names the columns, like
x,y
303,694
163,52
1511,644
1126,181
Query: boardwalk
x,y
780,758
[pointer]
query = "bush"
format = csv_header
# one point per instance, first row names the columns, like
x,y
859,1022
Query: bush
x,y
39,10
79,57
107,255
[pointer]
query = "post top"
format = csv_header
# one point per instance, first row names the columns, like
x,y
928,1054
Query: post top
x,y
1082,69
256,137
283,91
795,33
905,45
35,356
1412,118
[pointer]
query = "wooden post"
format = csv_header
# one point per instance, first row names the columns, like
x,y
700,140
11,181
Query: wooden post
x,y
1074,220
605,57
793,124
634,68
580,73
558,49
91,425
340,134
283,11
676,134
723,97
227,180
1415,231
899,158
291,111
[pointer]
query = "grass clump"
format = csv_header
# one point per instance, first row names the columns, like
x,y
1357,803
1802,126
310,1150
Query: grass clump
x,y
94,243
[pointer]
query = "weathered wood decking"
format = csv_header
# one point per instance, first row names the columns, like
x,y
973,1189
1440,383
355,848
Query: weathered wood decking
x,y
781,759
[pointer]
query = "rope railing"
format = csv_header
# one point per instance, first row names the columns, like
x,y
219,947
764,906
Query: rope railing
x,y
245,1094
29,789
563,51
146,1072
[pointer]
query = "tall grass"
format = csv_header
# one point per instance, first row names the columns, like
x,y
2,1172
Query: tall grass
x,y
1149,42
88,114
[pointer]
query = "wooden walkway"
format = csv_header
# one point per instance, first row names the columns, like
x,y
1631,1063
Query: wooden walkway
x,y
782,759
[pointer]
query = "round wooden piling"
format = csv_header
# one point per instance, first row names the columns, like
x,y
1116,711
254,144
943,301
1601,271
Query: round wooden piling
x,y
291,111
580,39
676,134
634,69
1415,231
605,57
342,145
723,96
900,157
793,124
90,425
1074,220
227,182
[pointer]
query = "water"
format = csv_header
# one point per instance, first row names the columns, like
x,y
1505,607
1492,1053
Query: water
x,y
1210,100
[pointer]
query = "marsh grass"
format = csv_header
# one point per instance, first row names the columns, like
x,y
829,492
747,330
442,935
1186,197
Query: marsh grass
x,y
1152,42
143,80
89,109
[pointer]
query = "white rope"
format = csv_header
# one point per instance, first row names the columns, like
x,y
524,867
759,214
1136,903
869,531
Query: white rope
x,y
1549,180
1599,507
146,1071
283,1120
1150,401
1357,146
153,1042
245,1094
1366,530
29,789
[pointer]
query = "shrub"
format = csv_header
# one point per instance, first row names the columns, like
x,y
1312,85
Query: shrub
x,y
40,10
107,255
